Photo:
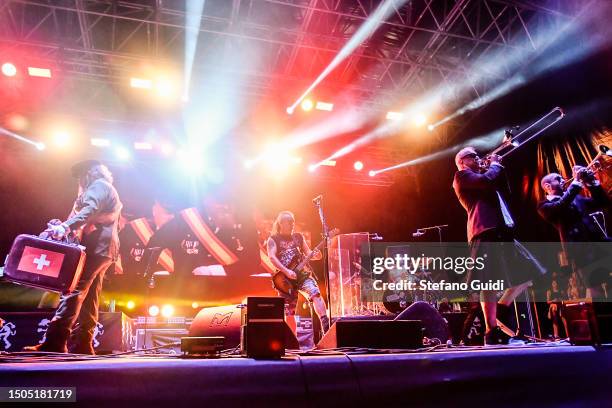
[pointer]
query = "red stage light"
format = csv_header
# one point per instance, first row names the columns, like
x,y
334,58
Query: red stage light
x,y
307,105
9,69
358,165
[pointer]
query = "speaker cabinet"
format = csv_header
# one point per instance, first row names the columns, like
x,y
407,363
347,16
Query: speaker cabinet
x,y
381,334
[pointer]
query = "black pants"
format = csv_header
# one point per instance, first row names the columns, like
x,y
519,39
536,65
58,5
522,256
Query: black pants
x,y
79,306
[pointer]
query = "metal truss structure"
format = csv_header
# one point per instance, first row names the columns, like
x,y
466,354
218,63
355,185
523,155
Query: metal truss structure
x,y
424,43
276,48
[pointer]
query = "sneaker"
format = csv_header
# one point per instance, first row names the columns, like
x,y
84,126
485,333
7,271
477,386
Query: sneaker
x,y
44,347
496,337
518,340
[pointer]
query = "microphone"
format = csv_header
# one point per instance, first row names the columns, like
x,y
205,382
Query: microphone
x,y
317,199
418,233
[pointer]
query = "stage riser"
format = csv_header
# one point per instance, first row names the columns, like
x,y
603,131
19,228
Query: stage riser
x,y
500,378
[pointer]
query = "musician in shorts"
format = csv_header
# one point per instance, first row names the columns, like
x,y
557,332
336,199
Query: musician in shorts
x,y
285,246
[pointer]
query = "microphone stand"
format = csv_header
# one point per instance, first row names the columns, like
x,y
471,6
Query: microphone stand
x,y
153,255
420,232
317,203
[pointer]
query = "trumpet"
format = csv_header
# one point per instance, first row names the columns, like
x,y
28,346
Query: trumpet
x,y
512,142
590,169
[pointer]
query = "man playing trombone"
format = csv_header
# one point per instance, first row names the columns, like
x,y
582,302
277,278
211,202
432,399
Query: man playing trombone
x,y
573,216
489,220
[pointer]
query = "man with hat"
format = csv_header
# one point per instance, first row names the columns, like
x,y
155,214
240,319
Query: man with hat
x,y
95,218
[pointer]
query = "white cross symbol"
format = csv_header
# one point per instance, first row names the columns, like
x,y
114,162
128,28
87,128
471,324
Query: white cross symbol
x,y
41,262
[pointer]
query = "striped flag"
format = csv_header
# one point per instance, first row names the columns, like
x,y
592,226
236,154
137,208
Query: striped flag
x,y
145,232
208,238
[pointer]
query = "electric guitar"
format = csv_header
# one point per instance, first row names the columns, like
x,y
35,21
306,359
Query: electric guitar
x,y
300,266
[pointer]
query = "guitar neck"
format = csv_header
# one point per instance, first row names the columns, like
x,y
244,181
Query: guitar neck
x,y
302,264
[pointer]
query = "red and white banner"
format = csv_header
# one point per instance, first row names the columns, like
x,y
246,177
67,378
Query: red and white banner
x,y
208,238
145,232
41,261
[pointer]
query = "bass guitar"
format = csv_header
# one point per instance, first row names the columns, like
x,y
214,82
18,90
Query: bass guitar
x,y
300,266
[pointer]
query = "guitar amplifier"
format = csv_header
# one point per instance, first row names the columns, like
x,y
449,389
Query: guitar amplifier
x,y
50,265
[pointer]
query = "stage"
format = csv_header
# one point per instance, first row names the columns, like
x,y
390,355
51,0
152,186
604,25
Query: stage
x,y
552,374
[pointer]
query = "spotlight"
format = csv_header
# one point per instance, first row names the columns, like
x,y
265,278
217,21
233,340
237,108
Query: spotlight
x,y
371,173
130,304
141,83
167,149
358,165
40,146
191,161
154,310
143,146
164,87
307,105
167,311
419,119
39,72
289,110
324,106
122,153
98,142
9,69
312,168
195,305
430,128
395,115
61,138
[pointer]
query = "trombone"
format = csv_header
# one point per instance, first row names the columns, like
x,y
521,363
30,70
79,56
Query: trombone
x,y
594,166
514,142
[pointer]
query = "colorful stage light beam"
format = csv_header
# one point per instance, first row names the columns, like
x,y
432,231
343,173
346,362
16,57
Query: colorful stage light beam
x,y
384,10
130,304
484,142
9,69
38,145
576,38
193,18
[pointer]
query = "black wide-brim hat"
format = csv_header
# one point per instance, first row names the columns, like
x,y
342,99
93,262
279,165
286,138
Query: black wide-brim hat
x,y
81,168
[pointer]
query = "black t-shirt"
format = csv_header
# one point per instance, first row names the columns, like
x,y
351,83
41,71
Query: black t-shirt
x,y
288,247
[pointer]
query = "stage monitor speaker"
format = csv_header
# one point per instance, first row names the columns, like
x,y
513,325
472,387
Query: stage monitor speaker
x,y
588,323
263,327
435,327
221,321
225,321
380,334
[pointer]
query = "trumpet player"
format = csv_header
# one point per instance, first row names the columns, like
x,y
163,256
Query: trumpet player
x,y
489,220
571,215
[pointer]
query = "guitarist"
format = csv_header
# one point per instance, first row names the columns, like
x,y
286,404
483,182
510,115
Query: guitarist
x,y
284,248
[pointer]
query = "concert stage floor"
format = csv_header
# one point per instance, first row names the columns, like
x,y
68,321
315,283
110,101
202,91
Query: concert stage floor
x,y
539,375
